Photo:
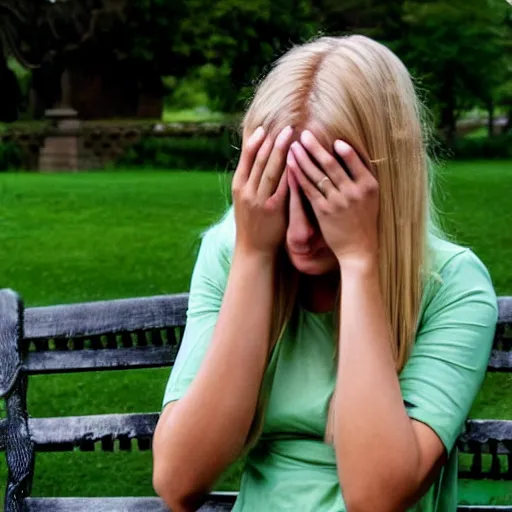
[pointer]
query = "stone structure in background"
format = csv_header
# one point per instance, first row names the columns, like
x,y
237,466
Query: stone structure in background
x,y
60,149
64,143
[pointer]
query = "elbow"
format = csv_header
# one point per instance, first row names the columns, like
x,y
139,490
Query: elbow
x,y
357,504
162,484
177,497
366,504
382,496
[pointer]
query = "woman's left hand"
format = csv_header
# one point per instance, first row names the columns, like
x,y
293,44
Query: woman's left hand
x,y
346,207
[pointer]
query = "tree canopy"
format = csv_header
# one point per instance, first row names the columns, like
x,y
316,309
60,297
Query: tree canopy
x,y
459,51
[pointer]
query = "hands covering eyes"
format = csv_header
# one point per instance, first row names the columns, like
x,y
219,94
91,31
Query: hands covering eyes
x,y
345,204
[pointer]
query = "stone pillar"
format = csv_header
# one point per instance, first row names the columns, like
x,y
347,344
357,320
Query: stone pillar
x,y
60,151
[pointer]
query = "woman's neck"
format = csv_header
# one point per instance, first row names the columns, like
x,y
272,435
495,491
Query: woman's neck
x,y
318,293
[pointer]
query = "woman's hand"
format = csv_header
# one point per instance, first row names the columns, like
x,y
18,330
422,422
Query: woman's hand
x,y
346,207
260,188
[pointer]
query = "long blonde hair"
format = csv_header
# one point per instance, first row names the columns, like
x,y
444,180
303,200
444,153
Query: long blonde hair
x,y
355,89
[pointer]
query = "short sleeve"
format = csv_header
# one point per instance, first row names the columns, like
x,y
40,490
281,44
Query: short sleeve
x,y
207,287
449,359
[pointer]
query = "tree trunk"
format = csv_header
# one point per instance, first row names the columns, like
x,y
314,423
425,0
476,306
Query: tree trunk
x,y
9,88
448,124
490,119
448,106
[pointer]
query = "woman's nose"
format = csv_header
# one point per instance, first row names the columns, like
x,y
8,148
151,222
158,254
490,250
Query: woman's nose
x,y
300,232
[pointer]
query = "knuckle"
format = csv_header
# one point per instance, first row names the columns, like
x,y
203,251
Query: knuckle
x,y
236,189
373,187
354,197
324,210
368,188
259,161
246,197
329,162
272,178
343,203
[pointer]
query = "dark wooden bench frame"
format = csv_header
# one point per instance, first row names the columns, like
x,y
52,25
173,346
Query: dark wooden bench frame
x,y
145,333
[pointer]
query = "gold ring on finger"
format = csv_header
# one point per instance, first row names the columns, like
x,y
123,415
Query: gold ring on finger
x,y
319,185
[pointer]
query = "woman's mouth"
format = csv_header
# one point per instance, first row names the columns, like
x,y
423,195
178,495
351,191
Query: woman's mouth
x,y
302,252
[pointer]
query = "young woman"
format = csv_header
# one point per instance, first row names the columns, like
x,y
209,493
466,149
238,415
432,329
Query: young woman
x,y
333,336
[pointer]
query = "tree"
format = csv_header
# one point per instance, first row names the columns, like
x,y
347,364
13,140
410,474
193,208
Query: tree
x,y
237,40
101,56
455,49
12,17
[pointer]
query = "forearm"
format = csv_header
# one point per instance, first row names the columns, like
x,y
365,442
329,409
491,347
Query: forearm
x,y
368,406
208,427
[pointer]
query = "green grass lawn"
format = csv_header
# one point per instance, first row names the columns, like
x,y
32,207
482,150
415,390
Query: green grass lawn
x,y
76,237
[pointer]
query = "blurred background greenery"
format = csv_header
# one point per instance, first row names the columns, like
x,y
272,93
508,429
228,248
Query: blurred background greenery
x,y
197,60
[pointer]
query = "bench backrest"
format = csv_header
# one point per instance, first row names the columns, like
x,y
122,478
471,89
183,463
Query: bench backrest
x,y
144,333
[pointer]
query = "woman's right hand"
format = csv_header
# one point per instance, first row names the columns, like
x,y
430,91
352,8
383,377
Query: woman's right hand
x,y
260,188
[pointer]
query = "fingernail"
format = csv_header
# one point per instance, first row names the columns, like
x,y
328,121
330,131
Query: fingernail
x,y
258,133
306,134
340,146
285,133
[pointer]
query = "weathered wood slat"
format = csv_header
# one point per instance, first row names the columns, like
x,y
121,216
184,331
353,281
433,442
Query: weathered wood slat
x,y
156,505
491,436
10,331
102,317
218,502
3,434
55,361
69,432
484,508
505,310
13,386
487,436
66,361
500,361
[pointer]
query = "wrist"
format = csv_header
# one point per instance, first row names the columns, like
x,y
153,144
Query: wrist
x,y
258,257
359,264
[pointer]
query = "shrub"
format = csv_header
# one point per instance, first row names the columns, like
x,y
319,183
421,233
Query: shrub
x,y
10,156
196,153
484,148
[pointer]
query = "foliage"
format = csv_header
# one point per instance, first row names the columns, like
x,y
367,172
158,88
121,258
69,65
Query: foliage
x,y
483,148
10,156
456,50
197,153
238,39
211,53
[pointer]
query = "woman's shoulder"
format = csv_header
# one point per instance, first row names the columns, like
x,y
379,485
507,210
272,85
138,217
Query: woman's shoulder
x,y
221,234
453,259
456,272
217,242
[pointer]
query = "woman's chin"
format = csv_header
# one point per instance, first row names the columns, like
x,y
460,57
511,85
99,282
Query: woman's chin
x,y
310,265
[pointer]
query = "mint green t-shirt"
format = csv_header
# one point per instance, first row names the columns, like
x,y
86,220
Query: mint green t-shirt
x,y
291,468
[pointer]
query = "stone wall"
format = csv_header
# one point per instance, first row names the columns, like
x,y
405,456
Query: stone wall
x,y
64,143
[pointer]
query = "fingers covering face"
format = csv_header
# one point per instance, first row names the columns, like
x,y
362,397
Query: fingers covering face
x,y
267,178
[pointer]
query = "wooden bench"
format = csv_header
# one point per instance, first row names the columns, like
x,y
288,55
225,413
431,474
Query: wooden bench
x,y
145,333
